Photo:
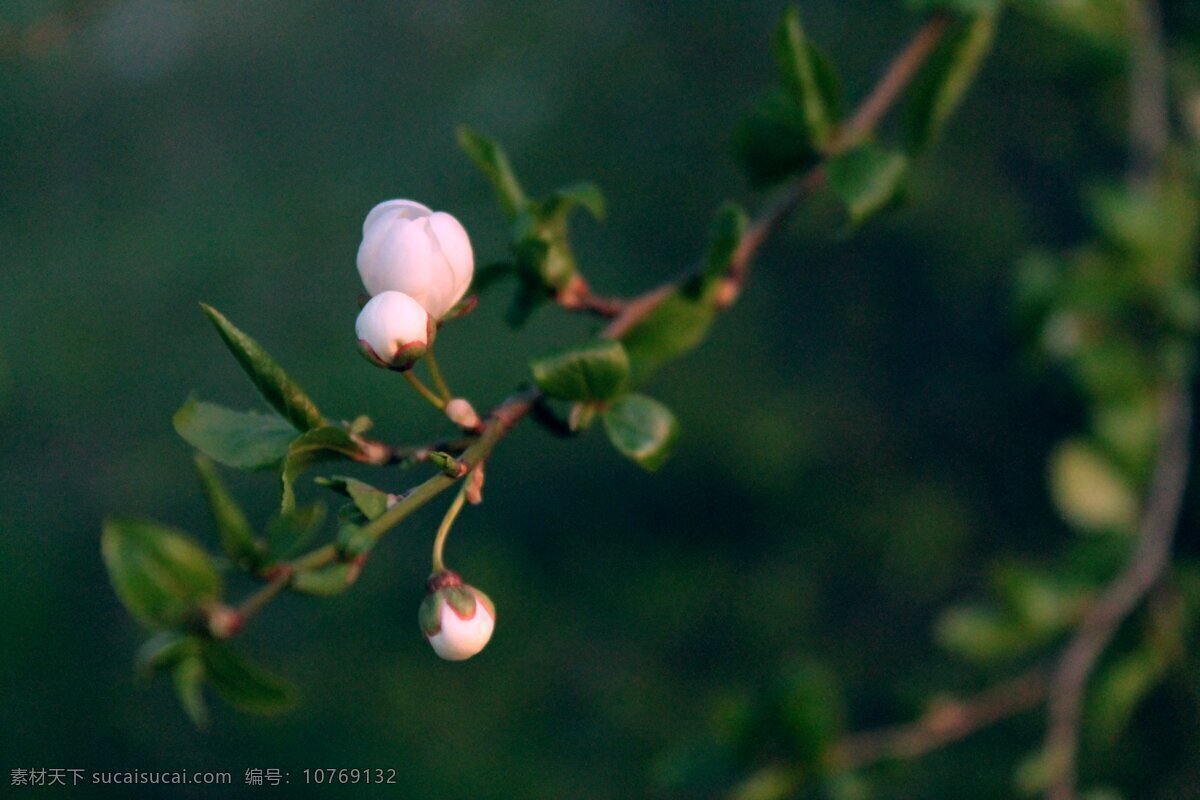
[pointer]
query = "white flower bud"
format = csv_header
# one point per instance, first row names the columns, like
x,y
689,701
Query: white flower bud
x,y
462,413
457,619
408,248
393,330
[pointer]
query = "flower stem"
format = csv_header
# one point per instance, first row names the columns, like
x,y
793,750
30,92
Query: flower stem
x,y
424,390
439,542
436,372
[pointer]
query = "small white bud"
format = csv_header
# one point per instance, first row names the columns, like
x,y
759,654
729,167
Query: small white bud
x,y
393,330
462,413
408,248
457,619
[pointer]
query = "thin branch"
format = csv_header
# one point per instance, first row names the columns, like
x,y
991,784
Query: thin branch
x,y
945,723
1150,558
1149,121
862,123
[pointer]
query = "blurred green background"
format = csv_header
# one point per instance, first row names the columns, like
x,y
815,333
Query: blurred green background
x,y
863,434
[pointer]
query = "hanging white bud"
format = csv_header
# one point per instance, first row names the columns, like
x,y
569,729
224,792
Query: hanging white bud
x,y
408,248
393,330
457,619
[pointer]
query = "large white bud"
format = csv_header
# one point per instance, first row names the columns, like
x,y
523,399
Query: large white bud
x,y
457,619
393,330
408,248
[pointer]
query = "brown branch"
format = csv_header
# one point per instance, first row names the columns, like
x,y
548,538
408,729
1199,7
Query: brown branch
x,y
1150,558
862,123
945,723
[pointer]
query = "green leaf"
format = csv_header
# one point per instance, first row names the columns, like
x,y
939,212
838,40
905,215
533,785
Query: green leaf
x,y
370,501
324,582
492,161
946,77
320,444
1103,23
544,257
1120,688
675,326
160,575
968,7
237,537
584,194
280,391
240,439
598,370
290,530
772,142
982,634
164,650
867,179
188,679
242,684
726,235
642,429
1089,491
800,74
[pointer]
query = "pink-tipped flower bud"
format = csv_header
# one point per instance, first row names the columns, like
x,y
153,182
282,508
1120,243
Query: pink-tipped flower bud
x,y
393,330
456,618
408,248
462,413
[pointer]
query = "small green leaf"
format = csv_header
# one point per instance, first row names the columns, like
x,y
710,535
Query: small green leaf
x,y
160,575
324,582
598,370
982,634
354,541
237,537
772,142
867,179
801,77
320,444
188,678
1120,688
968,7
1103,23
288,531
280,391
370,501
946,77
164,650
240,439
242,684
675,326
492,161
726,235
448,464
544,257
642,429
1089,491
584,194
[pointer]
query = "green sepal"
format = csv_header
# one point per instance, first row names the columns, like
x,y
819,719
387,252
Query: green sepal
x,y
320,444
448,464
280,391
187,677
160,575
597,370
867,179
241,439
493,162
237,537
945,78
370,501
288,531
326,581
642,429
806,78
242,684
